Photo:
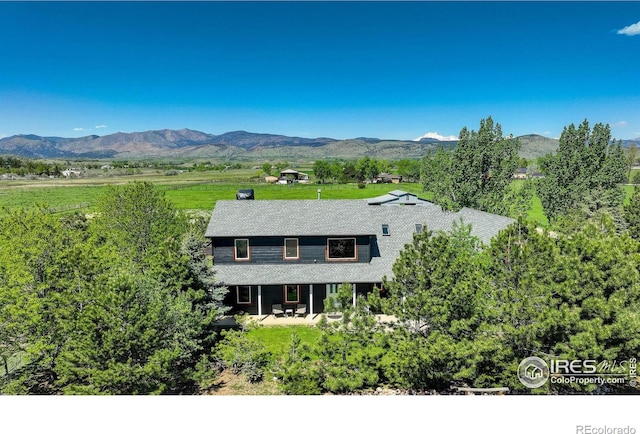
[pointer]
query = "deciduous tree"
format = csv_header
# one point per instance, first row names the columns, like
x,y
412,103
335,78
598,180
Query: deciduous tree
x,y
585,172
477,173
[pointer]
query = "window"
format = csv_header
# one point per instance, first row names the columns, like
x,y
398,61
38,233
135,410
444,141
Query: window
x,y
241,250
385,229
332,289
418,228
332,296
243,294
341,249
292,293
291,248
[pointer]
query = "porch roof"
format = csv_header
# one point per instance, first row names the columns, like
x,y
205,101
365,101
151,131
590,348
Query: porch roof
x,y
309,273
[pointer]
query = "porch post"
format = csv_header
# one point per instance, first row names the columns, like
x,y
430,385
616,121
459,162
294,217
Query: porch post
x,y
353,286
310,301
260,301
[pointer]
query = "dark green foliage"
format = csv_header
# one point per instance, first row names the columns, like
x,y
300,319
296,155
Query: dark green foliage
x,y
585,173
241,354
470,317
409,169
632,214
206,293
322,171
111,305
300,372
139,221
368,168
477,173
437,178
348,357
433,295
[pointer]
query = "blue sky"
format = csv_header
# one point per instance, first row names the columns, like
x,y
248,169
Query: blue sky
x,y
335,69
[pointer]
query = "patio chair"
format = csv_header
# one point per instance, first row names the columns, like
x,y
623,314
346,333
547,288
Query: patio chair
x,y
301,310
276,309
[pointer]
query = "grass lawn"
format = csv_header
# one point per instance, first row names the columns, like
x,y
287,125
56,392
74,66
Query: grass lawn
x,y
277,339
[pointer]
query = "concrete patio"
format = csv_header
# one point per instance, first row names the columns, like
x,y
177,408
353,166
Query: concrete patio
x,y
309,319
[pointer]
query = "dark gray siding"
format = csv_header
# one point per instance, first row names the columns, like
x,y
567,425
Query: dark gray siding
x,y
270,250
319,294
231,300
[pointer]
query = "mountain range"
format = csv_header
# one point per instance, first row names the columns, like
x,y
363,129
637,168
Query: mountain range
x,y
235,145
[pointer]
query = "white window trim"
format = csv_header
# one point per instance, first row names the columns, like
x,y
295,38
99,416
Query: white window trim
x,y
235,250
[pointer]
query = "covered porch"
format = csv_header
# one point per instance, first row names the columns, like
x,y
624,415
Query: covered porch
x,y
295,302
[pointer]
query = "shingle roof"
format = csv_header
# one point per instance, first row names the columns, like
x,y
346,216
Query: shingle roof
x,y
289,218
334,217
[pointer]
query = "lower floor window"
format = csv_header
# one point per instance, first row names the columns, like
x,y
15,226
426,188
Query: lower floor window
x,y
292,293
243,294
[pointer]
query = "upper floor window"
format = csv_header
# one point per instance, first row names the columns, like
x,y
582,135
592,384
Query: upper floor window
x,y
342,249
418,228
241,250
291,250
385,229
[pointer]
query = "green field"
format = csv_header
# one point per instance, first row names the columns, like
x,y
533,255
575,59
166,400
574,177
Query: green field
x,y
199,191
187,191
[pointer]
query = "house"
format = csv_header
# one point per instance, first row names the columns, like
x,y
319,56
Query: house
x,y
521,173
294,252
388,178
291,176
69,172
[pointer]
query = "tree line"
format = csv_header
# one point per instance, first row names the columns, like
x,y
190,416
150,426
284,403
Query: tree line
x,y
119,303
364,169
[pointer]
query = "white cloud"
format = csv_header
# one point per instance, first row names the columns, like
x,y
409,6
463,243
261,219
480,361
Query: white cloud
x,y
620,124
632,30
78,129
100,126
435,136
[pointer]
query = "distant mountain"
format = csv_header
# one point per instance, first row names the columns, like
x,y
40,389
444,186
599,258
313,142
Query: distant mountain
x,y
242,145
631,142
187,143
247,140
429,140
533,146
